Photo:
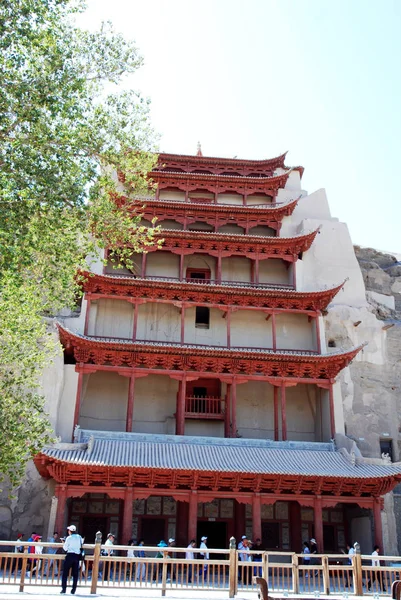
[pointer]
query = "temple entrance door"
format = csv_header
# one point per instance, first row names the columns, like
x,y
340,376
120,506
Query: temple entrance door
x,y
216,533
153,531
91,525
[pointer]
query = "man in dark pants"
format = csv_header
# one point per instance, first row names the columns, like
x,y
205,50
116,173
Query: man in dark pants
x,y
72,548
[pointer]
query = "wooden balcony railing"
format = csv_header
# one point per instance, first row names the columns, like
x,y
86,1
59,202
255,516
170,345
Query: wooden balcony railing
x,y
209,407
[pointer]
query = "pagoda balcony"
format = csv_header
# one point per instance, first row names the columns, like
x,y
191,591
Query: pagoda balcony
x,y
208,407
226,282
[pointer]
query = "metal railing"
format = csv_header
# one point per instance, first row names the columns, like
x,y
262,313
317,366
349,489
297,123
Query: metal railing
x,y
230,570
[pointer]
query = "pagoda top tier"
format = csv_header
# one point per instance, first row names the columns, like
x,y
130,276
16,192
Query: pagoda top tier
x,y
210,165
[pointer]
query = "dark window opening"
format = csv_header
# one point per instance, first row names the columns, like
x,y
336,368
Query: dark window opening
x,y
386,447
331,344
202,274
202,317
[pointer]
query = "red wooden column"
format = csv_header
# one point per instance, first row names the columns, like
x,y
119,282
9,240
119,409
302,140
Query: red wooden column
x,y
186,195
130,403
275,410
61,517
227,432
228,323
180,411
78,400
257,269
234,409
377,518
182,334
135,325
274,331
294,273
88,308
193,515
181,267
318,522
143,265
218,274
332,417
318,342
256,517
283,413
127,515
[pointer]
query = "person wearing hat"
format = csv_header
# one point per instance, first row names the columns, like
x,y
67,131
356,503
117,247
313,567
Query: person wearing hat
x,y
204,554
108,552
244,548
314,550
161,544
171,544
72,548
36,564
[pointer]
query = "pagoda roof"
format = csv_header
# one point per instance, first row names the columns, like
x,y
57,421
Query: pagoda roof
x,y
228,244
258,464
172,356
200,292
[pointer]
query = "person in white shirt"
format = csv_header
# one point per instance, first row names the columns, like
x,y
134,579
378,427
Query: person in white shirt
x,y
376,575
72,548
108,552
244,548
204,554
189,555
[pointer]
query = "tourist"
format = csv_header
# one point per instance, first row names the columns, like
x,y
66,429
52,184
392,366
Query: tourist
x,y
161,544
204,555
244,548
131,555
72,547
54,539
108,552
257,557
141,566
36,563
18,549
306,561
170,567
350,553
314,550
376,575
189,555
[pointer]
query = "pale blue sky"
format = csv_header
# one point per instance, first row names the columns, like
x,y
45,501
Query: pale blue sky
x,y
253,78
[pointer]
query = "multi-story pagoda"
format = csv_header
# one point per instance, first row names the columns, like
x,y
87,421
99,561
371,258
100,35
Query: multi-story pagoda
x,y
199,395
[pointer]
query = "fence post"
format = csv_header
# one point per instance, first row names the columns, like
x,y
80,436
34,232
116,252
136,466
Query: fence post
x,y
232,569
295,574
265,570
164,572
326,575
23,569
96,559
357,570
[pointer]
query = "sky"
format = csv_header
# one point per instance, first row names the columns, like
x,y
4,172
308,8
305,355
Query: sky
x,y
320,79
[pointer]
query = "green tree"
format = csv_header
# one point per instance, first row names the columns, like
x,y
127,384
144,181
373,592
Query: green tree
x,y
64,132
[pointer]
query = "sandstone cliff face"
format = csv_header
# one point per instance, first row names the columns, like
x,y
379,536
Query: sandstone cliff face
x,y
371,386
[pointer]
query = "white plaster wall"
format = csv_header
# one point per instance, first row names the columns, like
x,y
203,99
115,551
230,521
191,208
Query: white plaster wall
x,y
171,195
216,335
250,329
65,416
303,414
235,199
273,270
51,385
159,322
155,400
338,406
255,199
255,414
136,268
200,261
294,332
231,228
95,261
104,401
200,195
162,264
170,224
76,323
114,318
206,428
200,226
262,230
236,268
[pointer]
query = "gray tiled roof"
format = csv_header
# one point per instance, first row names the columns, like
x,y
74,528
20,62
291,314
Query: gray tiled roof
x,y
99,448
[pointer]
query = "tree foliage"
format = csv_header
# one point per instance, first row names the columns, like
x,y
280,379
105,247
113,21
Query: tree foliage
x,y
63,134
